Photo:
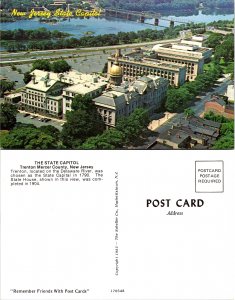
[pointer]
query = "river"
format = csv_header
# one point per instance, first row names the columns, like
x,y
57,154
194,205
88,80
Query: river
x,y
78,27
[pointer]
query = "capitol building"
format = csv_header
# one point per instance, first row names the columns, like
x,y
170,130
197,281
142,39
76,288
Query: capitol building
x,y
51,94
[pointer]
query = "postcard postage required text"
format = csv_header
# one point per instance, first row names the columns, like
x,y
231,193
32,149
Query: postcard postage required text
x,y
209,176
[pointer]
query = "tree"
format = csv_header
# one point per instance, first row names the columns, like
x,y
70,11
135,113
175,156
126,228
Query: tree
x,y
29,138
226,139
41,64
194,87
82,122
81,102
6,85
213,117
177,99
214,40
132,126
225,142
51,130
227,128
111,139
188,112
7,116
225,50
60,66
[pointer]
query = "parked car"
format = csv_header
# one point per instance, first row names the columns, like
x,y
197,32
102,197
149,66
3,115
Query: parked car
x,y
26,115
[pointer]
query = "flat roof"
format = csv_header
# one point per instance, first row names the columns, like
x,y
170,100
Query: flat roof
x,y
198,49
194,119
86,87
174,135
152,63
71,77
13,95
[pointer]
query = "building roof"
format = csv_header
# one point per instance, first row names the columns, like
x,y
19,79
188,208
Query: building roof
x,y
177,46
200,147
141,59
55,98
124,94
204,131
70,78
77,82
111,99
41,84
200,37
11,96
175,135
203,122
180,50
84,88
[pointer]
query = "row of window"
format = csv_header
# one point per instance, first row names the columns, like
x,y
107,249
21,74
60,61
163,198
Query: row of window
x,y
158,73
51,102
145,69
32,97
107,119
33,104
35,93
72,95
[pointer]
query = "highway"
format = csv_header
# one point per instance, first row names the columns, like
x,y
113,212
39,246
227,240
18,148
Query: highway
x,y
25,57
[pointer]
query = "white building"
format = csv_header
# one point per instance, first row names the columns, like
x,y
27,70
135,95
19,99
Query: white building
x,y
50,93
147,92
43,94
82,84
191,56
13,98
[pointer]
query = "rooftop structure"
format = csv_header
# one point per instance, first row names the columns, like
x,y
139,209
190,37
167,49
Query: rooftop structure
x,y
200,37
198,40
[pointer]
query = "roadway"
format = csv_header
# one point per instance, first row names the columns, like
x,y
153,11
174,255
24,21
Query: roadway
x,y
25,57
222,31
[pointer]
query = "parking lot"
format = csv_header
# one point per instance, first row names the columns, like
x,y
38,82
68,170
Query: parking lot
x,y
38,121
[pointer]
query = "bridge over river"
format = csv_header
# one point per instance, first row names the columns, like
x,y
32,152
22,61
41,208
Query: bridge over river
x,y
142,16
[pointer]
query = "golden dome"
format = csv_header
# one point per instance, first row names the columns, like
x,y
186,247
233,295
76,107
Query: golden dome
x,y
115,70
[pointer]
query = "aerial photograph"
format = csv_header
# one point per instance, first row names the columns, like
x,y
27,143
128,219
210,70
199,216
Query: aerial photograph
x,y
117,74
